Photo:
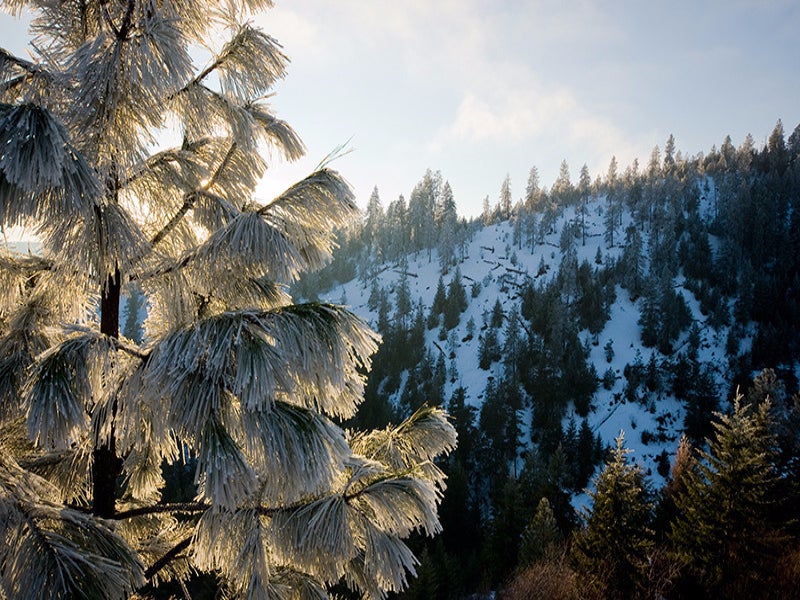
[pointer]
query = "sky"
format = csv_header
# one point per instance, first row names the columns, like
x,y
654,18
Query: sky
x,y
482,89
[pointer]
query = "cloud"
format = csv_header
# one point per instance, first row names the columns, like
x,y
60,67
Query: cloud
x,y
507,117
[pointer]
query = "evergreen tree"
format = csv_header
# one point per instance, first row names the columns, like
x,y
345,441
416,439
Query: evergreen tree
x,y
612,551
726,531
584,185
505,201
234,373
403,304
422,212
512,346
632,263
541,536
533,195
456,294
700,393
608,350
562,191
488,349
373,224
613,214
585,456
497,316
438,305
502,547
397,226
447,222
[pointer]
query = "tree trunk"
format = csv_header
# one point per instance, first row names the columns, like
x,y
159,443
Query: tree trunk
x,y
106,465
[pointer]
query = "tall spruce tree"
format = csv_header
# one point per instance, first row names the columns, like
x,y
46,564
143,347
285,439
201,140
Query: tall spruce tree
x,y
727,530
613,549
231,372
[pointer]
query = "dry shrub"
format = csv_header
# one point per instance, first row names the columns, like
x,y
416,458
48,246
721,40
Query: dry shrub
x,y
787,576
548,579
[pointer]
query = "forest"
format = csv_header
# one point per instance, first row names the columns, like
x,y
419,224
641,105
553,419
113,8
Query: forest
x,y
721,230
589,391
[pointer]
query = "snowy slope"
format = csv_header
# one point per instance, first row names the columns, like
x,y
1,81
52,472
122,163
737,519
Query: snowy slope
x,y
488,260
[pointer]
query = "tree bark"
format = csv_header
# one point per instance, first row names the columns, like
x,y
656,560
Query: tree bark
x,y
106,465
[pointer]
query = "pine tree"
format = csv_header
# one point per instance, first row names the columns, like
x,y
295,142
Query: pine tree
x,y
439,304
563,191
497,315
726,531
505,201
488,349
541,536
231,372
584,185
613,549
447,223
373,223
403,304
613,204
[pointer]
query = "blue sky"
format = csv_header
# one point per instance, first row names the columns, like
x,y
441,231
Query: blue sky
x,y
479,89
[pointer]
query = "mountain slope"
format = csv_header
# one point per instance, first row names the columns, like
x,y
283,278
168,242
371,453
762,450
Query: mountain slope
x,y
501,268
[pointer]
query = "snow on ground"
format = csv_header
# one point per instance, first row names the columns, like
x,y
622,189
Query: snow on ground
x,y
488,260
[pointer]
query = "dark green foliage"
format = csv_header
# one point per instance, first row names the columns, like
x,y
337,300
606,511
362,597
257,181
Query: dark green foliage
x,y
488,349
632,263
540,536
475,289
725,531
439,304
549,476
586,455
402,303
609,378
513,347
502,548
499,427
664,315
497,315
608,350
614,547
455,302
701,396
652,376
425,383
590,306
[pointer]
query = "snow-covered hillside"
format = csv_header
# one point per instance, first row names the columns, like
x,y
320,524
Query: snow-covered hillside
x,y
651,427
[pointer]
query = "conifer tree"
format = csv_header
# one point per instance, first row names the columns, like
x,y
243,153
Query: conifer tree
x,y
613,549
447,222
725,531
505,201
231,372
541,535
439,304
535,197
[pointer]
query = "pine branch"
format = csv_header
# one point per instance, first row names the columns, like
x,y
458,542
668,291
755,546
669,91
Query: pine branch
x,y
191,198
171,555
264,511
155,509
109,21
153,162
29,69
188,204
121,33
